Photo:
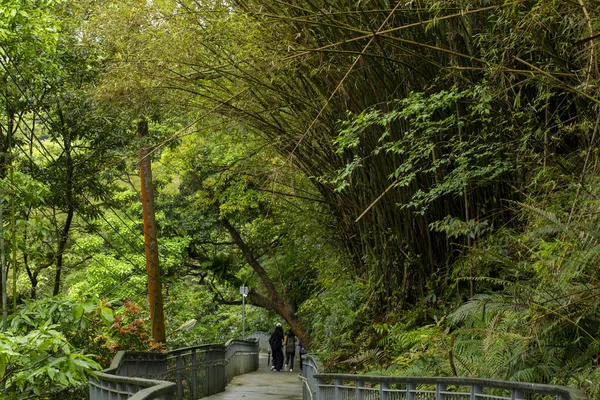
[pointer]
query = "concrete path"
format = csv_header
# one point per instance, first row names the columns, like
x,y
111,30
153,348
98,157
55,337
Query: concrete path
x,y
263,385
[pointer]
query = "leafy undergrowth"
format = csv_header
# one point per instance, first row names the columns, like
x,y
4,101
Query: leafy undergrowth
x,y
52,346
535,316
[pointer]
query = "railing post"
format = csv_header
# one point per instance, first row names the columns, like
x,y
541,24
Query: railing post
x,y
383,394
223,368
337,395
319,391
518,395
179,363
359,393
208,379
411,388
314,388
476,391
440,391
194,375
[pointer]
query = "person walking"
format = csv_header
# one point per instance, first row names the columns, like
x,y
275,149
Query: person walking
x,y
276,343
290,349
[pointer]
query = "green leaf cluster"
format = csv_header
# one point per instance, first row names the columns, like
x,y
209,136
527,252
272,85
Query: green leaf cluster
x,y
41,363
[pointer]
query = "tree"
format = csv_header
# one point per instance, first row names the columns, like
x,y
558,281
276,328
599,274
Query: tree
x,y
244,225
28,35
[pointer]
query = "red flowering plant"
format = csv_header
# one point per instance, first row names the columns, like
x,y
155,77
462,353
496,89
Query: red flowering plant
x,y
129,331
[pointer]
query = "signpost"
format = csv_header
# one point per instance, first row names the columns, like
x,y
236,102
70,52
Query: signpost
x,y
244,293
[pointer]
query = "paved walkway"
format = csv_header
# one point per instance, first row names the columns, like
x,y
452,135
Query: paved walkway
x,y
263,385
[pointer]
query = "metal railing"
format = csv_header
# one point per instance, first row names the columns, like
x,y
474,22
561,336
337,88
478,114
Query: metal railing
x,y
311,366
184,374
320,386
263,341
239,360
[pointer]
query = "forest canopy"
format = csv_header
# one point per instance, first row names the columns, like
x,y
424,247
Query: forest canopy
x,y
410,186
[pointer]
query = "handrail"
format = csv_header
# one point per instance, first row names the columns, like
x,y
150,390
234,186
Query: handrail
x,y
305,385
326,386
188,373
131,388
314,362
263,340
311,366
518,389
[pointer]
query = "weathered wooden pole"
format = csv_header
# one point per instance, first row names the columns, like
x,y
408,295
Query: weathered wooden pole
x,y
13,225
157,318
4,271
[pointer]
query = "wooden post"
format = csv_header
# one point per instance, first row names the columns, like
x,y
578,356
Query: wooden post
x,y
157,318
13,225
4,272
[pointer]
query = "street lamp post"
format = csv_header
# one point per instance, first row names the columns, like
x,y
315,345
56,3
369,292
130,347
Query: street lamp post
x,y
244,293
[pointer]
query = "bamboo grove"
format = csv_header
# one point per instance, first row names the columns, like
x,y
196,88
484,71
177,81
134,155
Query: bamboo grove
x,y
419,121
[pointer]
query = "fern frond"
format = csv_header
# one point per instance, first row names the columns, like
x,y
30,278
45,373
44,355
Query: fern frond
x,y
550,217
481,307
541,373
495,257
486,279
370,355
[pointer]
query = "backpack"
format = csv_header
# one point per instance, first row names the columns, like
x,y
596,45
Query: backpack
x,y
290,346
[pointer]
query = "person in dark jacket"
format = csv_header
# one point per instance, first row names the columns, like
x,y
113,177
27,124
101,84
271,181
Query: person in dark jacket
x,y
290,349
276,343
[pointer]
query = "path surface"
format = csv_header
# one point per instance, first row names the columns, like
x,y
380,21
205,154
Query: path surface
x,y
263,385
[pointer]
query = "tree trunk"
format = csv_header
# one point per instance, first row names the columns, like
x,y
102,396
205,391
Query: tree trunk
x,y
33,274
272,301
64,235
286,312
62,244
155,299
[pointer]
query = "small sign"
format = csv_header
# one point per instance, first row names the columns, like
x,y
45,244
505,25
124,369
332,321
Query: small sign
x,y
244,290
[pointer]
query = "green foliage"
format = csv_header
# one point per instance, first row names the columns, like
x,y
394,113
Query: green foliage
x,y
216,323
542,325
41,363
128,330
419,350
28,37
432,146
454,227
47,346
335,314
53,345
219,178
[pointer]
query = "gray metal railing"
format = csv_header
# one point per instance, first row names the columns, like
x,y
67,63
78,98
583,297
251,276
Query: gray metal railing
x,y
311,366
184,374
245,360
320,386
263,341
